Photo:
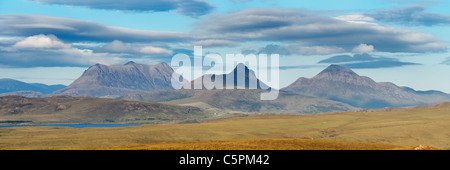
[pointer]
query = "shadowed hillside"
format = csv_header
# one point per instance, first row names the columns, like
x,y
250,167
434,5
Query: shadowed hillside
x,y
66,109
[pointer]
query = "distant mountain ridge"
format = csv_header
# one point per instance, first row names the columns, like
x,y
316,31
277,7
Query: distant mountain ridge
x,y
220,80
334,83
342,84
243,101
112,81
242,97
12,86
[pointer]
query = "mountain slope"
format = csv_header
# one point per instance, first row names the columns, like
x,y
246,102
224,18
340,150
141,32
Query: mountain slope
x,y
242,79
242,98
244,101
67,109
109,81
342,84
10,85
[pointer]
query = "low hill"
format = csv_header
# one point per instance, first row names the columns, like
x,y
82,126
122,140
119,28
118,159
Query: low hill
x,y
66,109
11,86
243,100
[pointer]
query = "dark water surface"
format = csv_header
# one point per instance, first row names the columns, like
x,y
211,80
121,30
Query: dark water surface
x,y
74,125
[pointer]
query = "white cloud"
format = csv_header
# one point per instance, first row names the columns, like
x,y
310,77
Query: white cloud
x,y
355,18
76,30
117,46
319,50
155,51
41,42
215,43
363,48
48,51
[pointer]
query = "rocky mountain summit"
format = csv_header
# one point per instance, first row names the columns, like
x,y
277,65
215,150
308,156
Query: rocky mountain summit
x,y
112,81
342,84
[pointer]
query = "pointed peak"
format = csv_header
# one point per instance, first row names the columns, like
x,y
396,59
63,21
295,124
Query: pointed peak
x,y
241,65
337,69
130,62
98,65
336,72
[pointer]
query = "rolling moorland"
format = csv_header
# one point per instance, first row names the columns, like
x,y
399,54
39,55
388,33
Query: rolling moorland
x,y
390,128
67,109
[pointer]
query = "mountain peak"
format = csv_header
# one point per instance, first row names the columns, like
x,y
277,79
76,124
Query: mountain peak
x,y
337,69
103,80
241,66
336,72
240,72
129,62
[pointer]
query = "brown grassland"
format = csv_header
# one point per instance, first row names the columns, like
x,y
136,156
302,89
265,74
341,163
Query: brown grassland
x,y
255,144
373,129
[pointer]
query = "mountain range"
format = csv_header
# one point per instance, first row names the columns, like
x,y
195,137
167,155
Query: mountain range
x,y
342,84
336,88
245,101
15,87
241,97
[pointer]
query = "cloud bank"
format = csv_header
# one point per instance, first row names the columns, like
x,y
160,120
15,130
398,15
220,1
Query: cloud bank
x,y
285,31
75,30
365,61
412,16
49,51
193,8
117,46
311,30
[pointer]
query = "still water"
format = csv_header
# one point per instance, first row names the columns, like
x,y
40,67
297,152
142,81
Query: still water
x,y
75,125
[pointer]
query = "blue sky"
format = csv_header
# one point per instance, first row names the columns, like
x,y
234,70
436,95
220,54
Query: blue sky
x,y
404,42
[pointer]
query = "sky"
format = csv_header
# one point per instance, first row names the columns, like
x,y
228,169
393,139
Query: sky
x,y
401,41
